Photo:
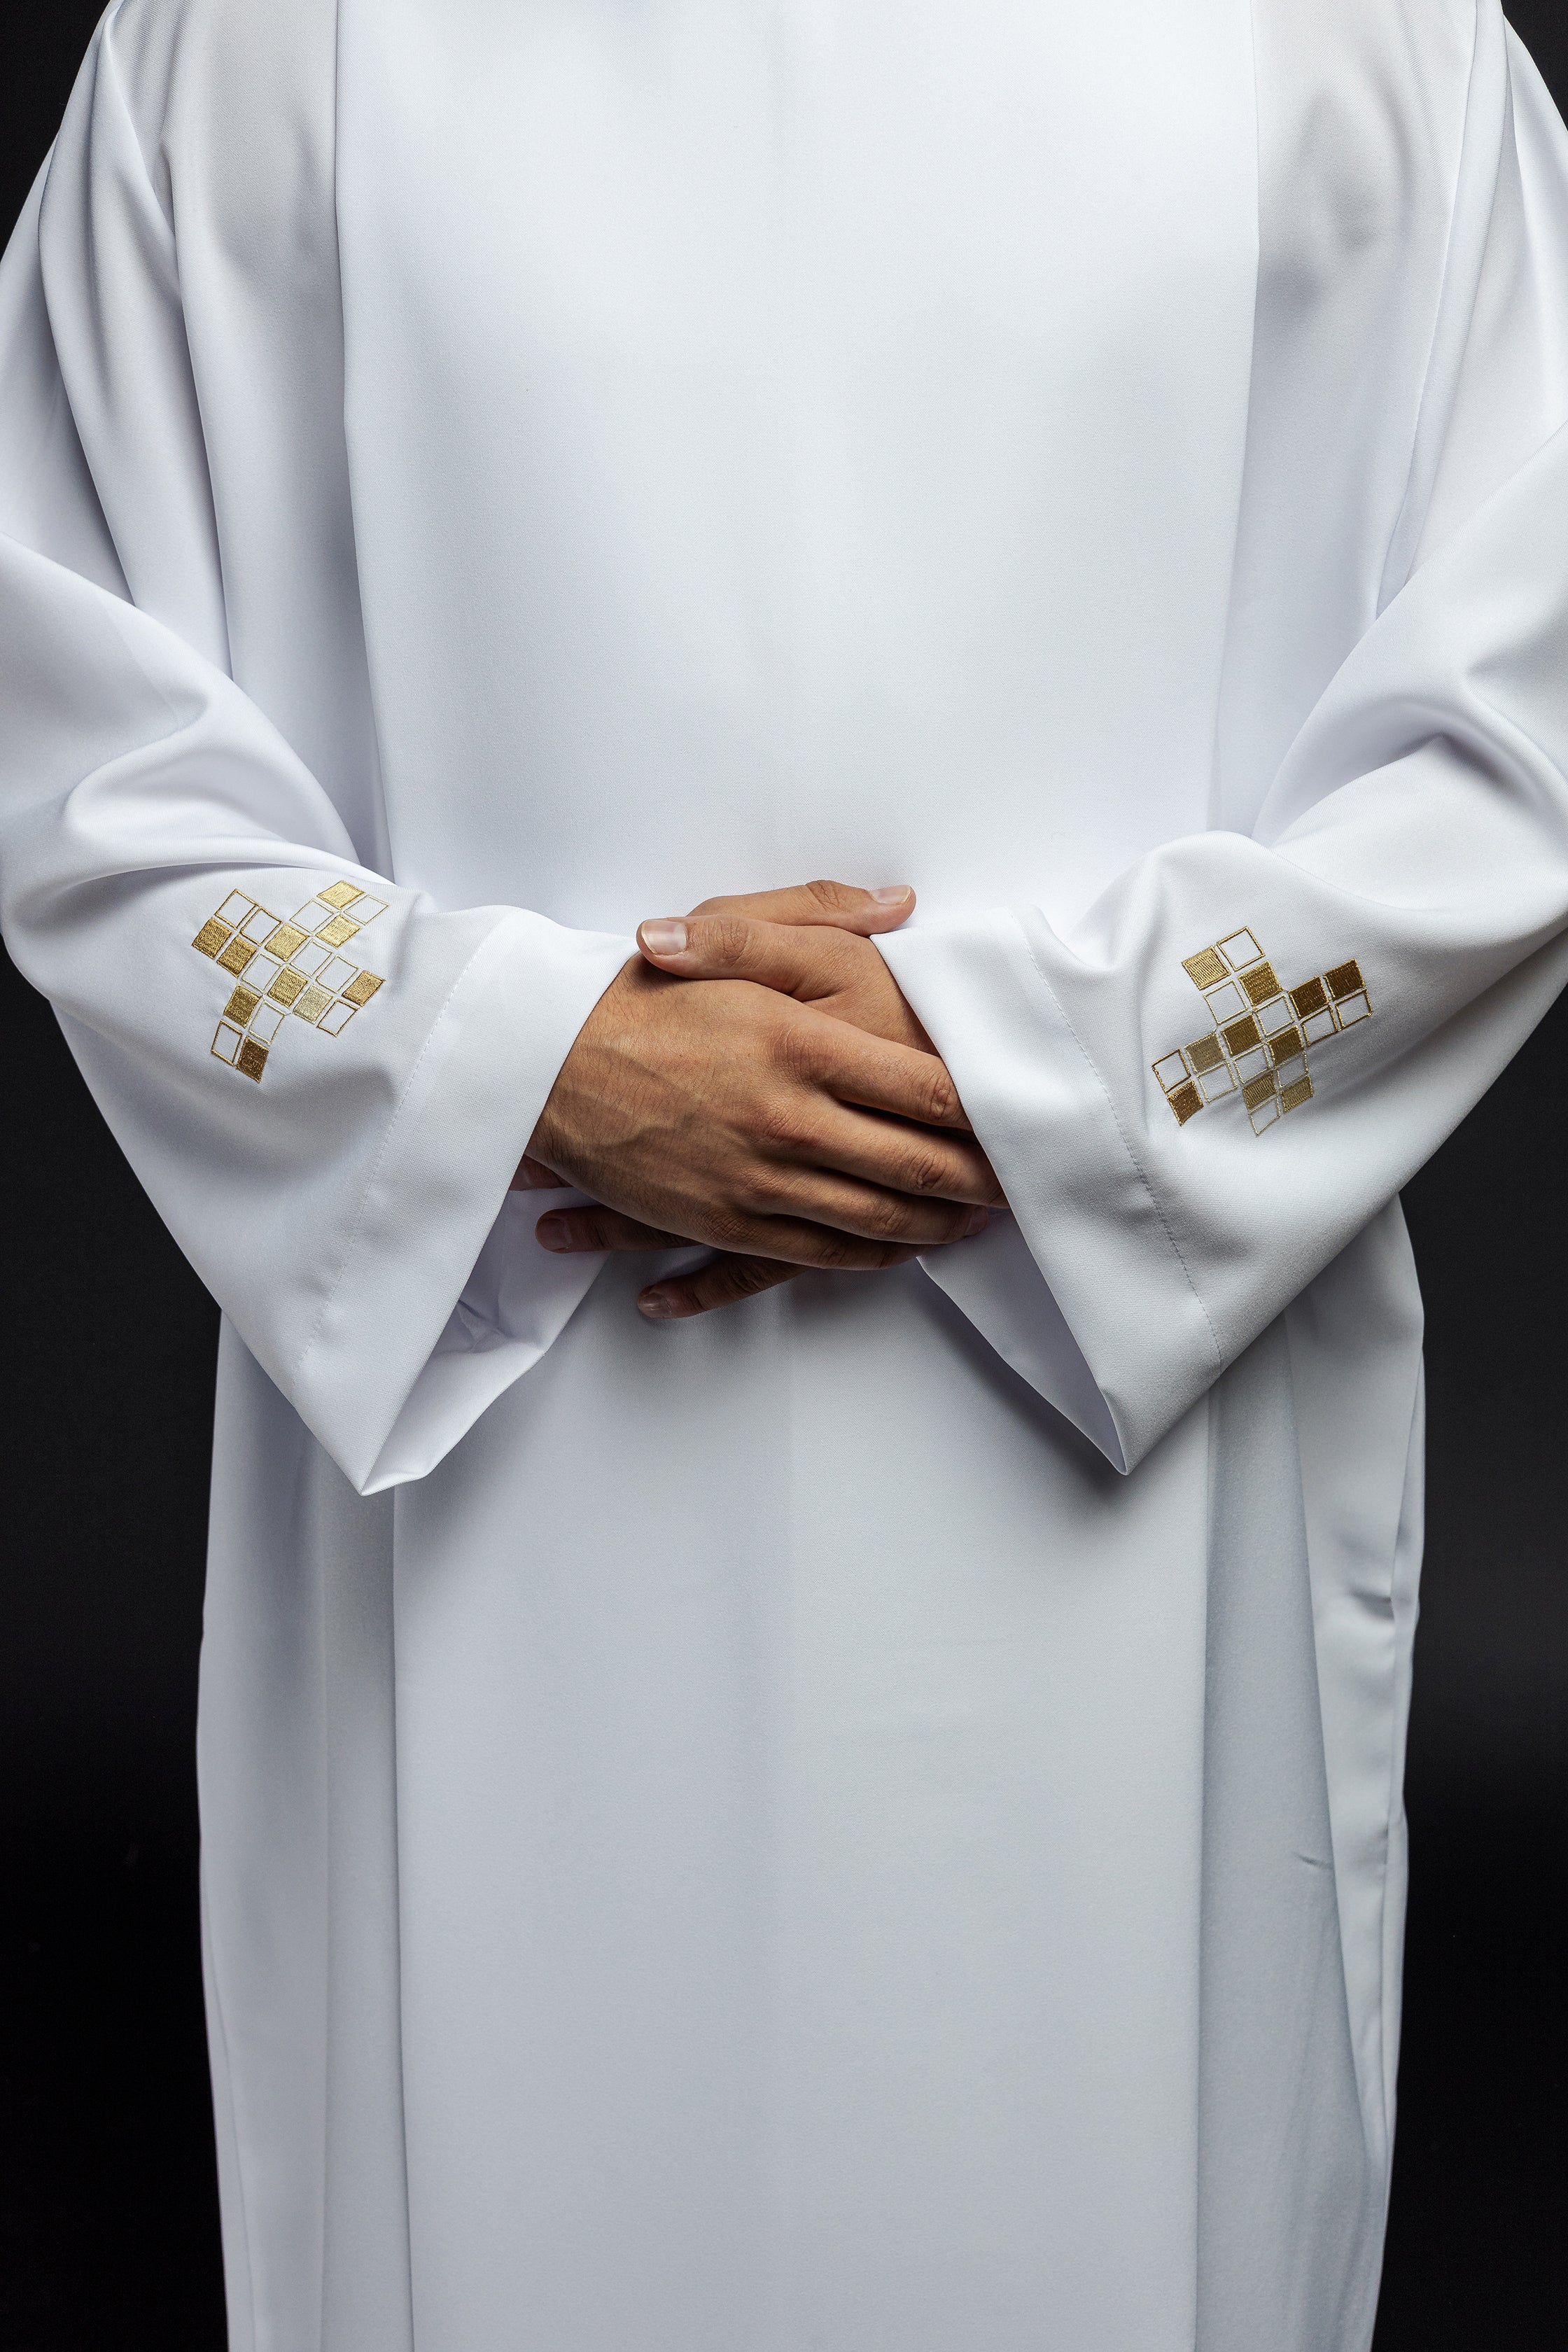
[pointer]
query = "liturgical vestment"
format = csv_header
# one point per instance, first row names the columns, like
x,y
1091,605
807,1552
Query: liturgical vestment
x,y
869,1822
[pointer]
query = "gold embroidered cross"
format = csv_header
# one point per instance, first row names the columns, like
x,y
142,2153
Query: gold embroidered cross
x,y
287,967
1261,1031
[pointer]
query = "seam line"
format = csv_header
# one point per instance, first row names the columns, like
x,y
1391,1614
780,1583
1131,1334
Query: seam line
x,y
297,1370
1133,1159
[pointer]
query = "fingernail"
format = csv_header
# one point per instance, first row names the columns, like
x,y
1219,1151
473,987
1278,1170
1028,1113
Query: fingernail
x,y
891,893
978,1221
656,1304
663,938
552,1233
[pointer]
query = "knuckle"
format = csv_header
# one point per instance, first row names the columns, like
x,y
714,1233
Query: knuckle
x,y
924,1172
793,1054
888,1217
797,1051
940,1096
728,1229
765,1194
724,938
747,1277
834,897
838,1252
780,1127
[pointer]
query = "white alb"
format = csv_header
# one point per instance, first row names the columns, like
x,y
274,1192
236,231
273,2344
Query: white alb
x,y
869,1822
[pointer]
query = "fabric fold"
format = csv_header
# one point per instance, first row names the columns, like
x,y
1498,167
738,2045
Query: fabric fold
x,y
1200,1090
324,1077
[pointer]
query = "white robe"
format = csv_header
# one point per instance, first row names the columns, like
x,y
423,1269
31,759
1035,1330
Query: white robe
x,y
869,1822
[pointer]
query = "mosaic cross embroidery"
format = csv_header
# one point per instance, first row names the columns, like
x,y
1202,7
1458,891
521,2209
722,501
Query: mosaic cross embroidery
x,y
1261,1032
286,968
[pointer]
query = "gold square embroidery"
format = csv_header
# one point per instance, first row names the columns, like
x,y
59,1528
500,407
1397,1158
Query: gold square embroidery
x,y
1325,1004
1186,1102
253,1013
312,1003
1239,948
1206,968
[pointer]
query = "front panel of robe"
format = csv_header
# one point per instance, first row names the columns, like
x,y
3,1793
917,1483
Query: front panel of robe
x,y
746,345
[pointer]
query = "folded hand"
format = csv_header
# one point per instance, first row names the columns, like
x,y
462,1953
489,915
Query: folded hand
x,y
755,1113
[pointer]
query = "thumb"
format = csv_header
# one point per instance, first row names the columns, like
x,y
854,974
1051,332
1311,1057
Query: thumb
x,y
835,906
796,961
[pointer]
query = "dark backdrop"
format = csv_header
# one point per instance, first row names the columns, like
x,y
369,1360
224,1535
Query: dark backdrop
x,y
108,2201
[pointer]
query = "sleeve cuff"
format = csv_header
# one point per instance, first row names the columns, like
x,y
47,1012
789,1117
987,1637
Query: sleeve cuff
x,y
444,1298
1106,1246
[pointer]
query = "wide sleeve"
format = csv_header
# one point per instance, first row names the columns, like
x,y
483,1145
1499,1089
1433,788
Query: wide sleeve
x,y
324,1080
1199,1095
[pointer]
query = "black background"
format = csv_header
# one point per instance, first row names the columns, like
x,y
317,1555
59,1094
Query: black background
x,y
107,2197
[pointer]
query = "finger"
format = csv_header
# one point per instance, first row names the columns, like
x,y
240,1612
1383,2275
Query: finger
x,y
833,1139
532,1176
824,1197
601,1229
798,1238
782,956
857,1067
801,1242
723,1284
838,905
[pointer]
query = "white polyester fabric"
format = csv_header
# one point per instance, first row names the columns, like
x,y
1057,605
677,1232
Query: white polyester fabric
x,y
872,1820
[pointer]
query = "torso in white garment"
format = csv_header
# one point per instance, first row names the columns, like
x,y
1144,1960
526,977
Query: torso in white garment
x,y
755,1836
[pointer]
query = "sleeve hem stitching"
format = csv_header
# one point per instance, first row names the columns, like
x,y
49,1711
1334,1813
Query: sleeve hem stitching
x,y
1126,1141
297,1372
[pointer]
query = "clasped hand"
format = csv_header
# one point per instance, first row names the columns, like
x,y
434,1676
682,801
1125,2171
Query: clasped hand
x,y
789,1111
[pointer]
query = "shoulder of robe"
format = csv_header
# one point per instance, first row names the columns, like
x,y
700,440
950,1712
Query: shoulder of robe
x,y
234,104
1362,110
